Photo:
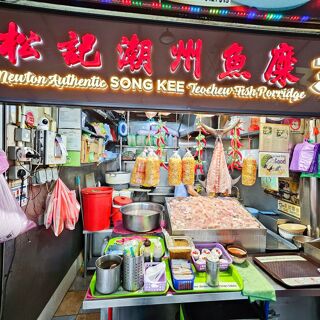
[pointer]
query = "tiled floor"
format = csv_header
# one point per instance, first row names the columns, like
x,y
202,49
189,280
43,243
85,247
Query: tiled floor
x,y
70,307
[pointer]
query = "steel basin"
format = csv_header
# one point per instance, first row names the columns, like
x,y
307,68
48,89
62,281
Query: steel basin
x,y
141,216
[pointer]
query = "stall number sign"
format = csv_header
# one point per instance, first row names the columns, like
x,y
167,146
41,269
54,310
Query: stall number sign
x,y
289,208
136,54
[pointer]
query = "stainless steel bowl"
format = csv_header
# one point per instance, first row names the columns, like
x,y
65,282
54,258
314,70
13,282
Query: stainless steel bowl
x,y
141,216
299,241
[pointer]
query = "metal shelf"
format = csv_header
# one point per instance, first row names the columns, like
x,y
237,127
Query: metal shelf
x,y
143,147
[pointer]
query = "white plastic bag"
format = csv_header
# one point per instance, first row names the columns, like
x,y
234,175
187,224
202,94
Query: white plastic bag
x,y
13,220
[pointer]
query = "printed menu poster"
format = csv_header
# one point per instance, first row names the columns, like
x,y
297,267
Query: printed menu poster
x,y
272,164
270,183
274,137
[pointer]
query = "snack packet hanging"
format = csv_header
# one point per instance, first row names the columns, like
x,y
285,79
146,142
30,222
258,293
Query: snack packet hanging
x,y
188,168
139,169
175,170
249,171
152,176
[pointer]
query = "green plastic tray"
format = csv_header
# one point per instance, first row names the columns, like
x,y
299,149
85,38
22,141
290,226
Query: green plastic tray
x,y
229,280
121,293
112,241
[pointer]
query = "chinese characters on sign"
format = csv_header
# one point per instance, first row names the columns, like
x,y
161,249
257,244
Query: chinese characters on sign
x,y
233,62
280,66
135,54
14,45
76,52
191,52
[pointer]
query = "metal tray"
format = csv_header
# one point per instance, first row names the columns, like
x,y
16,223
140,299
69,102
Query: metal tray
x,y
254,239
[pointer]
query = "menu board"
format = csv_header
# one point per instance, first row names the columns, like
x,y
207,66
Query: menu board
x,y
272,164
274,137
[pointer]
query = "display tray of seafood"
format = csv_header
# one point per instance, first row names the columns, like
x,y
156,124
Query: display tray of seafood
x,y
219,219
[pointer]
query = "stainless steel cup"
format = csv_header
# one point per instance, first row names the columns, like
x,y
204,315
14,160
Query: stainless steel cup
x,y
108,280
212,271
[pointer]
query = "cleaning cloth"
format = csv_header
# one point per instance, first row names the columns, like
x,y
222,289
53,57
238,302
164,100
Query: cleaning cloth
x,y
255,285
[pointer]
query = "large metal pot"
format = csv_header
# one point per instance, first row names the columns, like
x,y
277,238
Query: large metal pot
x,y
108,273
141,216
117,177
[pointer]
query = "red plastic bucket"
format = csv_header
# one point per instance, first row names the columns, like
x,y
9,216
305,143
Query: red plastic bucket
x,y
118,202
97,203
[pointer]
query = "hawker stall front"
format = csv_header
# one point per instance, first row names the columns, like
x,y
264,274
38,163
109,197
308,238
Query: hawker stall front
x,y
193,152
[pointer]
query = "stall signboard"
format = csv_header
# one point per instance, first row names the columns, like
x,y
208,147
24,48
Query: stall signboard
x,y
74,60
272,164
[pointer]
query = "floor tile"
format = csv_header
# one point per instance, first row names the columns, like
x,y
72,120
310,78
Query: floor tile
x,y
71,303
65,318
88,316
88,311
80,283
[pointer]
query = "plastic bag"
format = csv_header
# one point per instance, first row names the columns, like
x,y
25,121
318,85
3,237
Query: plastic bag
x,y
249,171
188,168
139,169
152,177
13,220
62,209
175,170
4,165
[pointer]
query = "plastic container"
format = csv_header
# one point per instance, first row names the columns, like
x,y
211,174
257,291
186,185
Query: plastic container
x,y
179,284
118,202
97,203
159,286
180,247
210,245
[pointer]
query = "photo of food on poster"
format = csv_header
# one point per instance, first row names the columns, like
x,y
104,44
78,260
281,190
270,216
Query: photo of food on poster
x,y
274,137
270,183
272,164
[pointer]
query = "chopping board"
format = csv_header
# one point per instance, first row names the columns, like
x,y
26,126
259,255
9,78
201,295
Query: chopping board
x,y
292,270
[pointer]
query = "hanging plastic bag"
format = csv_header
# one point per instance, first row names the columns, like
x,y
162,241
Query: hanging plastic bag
x,y
175,170
139,169
188,168
62,209
13,220
249,171
4,165
152,177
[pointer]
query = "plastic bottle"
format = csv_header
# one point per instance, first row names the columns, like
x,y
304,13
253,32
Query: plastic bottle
x,y
157,251
147,249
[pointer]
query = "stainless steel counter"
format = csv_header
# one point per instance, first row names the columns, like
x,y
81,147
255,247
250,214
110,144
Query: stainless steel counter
x,y
170,298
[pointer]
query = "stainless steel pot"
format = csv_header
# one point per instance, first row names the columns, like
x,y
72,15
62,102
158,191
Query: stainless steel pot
x,y
108,273
117,177
141,216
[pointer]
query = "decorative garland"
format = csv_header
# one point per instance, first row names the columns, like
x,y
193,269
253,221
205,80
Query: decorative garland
x,y
160,134
234,155
201,144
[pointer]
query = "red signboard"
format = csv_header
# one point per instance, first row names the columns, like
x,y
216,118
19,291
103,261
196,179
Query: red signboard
x,y
45,53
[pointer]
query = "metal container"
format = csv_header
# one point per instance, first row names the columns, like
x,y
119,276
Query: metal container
x,y
133,272
299,241
312,249
212,271
117,177
253,239
159,194
141,216
108,279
